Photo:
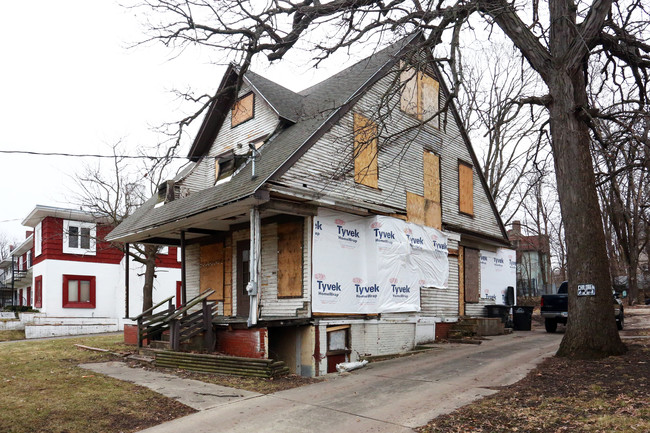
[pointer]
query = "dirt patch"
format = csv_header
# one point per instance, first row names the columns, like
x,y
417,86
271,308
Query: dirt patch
x,y
607,395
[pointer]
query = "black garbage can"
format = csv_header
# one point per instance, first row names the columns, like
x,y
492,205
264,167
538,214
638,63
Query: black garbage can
x,y
522,317
500,311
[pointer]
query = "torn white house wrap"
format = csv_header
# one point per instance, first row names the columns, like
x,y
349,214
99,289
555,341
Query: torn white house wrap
x,y
498,271
374,264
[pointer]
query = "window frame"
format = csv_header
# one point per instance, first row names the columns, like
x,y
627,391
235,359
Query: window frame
x,y
38,292
38,239
67,249
78,304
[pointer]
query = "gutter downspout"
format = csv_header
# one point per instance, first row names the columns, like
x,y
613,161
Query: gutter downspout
x,y
126,281
183,279
254,266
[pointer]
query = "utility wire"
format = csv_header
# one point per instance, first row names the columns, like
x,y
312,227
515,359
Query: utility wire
x,y
88,155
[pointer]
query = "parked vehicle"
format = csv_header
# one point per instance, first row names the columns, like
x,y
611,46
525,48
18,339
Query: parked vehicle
x,y
555,309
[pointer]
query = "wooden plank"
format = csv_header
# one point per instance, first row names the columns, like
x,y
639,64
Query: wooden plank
x,y
409,90
290,258
211,271
465,188
228,284
431,177
432,214
365,151
461,281
472,290
429,99
243,109
414,208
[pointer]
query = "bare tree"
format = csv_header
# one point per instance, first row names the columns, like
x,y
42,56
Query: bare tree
x,y
557,43
5,246
114,194
511,137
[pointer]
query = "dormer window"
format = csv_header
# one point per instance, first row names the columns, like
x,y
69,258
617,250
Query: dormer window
x,y
226,164
242,110
79,237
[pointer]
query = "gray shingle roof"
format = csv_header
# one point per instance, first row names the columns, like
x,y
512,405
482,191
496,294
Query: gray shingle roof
x,y
310,108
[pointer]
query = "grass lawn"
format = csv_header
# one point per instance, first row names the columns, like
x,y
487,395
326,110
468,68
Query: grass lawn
x,y
12,335
43,390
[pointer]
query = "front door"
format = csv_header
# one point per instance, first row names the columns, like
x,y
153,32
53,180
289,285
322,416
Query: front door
x,y
243,277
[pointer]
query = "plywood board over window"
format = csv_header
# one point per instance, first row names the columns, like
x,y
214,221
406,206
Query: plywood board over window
x,y
365,151
242,110
431,179
465,188
290,263
211,271
429,99
415,208
409,90
471,274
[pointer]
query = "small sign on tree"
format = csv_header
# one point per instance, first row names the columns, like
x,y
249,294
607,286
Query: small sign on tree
x,y
586,290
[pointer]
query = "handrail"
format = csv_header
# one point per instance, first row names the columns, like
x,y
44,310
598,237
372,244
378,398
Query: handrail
x,y
151,309
189,305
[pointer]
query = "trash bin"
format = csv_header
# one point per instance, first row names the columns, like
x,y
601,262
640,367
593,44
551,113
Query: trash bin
x,y
522,317
500,311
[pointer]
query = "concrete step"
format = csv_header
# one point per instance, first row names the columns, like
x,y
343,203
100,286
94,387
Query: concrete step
x,y
59,330
52,320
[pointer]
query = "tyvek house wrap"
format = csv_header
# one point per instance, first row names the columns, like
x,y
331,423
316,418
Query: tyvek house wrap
x,y
374,264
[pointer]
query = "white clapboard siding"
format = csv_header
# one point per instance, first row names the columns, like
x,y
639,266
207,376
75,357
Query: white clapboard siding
x,y
264,123
328,167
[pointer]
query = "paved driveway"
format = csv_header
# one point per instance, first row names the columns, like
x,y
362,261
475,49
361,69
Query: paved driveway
x,y
389,396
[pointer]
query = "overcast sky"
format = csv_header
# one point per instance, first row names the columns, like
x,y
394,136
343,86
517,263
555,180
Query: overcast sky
x,y
69,83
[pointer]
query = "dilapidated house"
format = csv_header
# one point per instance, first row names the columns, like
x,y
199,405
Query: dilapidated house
x,y
309,217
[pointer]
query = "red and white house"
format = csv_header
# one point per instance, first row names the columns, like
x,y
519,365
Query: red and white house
x,y
78,279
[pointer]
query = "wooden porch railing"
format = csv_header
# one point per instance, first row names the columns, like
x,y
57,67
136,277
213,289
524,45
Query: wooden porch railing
x,y
183,326
151,325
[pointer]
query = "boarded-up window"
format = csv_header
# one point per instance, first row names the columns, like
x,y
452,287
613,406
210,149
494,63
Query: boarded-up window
x,y
433,208
243,109
211,270
420,94
465,188
414,208
471,273
429,99
365,151
409,91
290,240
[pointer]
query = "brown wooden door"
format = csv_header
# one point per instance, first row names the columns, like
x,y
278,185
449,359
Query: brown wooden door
x,y
243,277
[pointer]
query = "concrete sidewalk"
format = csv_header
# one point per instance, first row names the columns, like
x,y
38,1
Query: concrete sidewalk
x,y
388,396
193,393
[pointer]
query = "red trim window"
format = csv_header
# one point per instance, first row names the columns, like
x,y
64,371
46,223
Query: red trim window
x,y
179,286
38,292
78,291
20,297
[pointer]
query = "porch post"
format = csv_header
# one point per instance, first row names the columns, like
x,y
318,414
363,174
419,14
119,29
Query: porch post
x,y
126,281
254,265
183,287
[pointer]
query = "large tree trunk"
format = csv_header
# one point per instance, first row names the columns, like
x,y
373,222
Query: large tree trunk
x,y
591,329
149,275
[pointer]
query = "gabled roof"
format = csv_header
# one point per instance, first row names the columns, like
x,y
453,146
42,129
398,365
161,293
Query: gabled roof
x,y
320,106
307,115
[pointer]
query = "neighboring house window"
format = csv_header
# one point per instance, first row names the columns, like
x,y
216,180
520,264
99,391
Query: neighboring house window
x,y
420,95
242,110
38,291
163,251
29,296
38,236
79,237
78,291
29,259
365,151
465,188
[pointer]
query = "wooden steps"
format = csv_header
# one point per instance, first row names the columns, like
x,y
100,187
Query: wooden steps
x,y
231,365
